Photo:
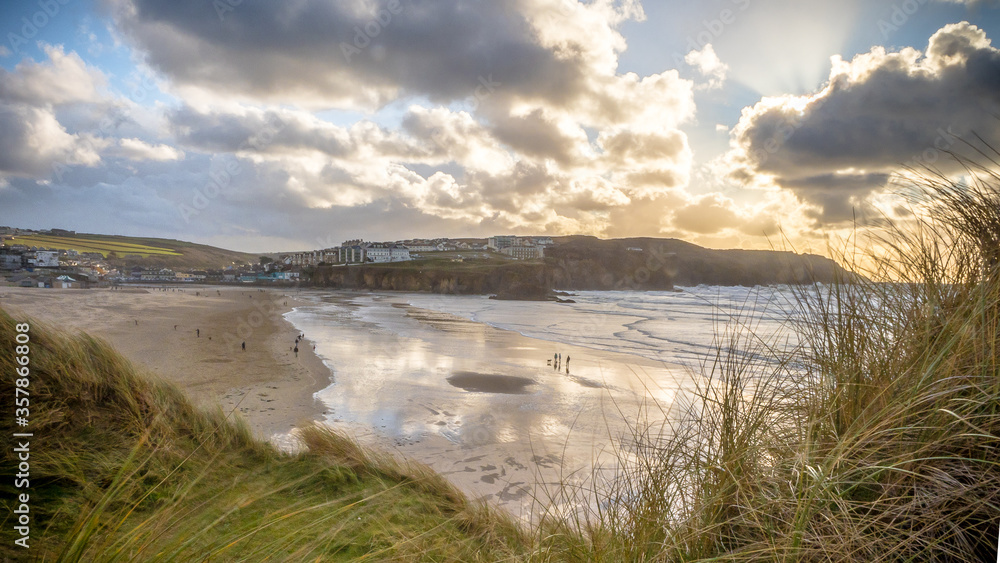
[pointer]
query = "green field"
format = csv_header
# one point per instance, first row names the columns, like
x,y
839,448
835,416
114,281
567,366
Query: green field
x,y
94,244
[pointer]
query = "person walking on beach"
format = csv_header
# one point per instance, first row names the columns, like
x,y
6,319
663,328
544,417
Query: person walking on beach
x,y
296,351
567,362
197,332
244,345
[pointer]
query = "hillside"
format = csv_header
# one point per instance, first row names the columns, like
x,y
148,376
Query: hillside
x,y
587,263
583,262
123,251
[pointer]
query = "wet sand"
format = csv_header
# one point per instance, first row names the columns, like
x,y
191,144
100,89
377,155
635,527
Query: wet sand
x,y
192,337
486,407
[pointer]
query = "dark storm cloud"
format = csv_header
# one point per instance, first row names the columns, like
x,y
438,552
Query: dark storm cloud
x,y
879,113
346,53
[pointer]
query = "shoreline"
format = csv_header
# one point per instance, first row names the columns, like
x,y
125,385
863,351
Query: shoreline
x,y
192,338
481,405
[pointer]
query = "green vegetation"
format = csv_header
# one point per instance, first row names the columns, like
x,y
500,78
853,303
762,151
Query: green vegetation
x,y
123,468
124,251
583,263
91,244
877,439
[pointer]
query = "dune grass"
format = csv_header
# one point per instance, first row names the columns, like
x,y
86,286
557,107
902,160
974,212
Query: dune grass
x,y
123,468
875,438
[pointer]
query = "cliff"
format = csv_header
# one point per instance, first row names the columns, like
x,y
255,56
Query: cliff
x,y
586,263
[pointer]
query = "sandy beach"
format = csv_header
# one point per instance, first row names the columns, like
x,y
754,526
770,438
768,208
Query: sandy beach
x,y
192,337
483,406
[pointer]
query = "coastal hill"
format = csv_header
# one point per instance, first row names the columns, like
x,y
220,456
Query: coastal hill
x,y
571,263
586,263
146,252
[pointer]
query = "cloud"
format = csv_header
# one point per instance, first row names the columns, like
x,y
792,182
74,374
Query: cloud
x,y
709,65
136,149
505,116
363,54
973,3
63,79
878,113
34,142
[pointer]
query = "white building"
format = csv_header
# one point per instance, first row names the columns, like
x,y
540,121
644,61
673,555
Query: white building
x,y
45,259
399,253
422,248
501,242
524,252
380,252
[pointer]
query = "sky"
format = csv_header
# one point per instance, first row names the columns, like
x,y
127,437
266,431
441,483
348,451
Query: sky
x,y
268,126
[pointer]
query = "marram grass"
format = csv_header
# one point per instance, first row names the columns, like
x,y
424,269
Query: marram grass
x,y
123,468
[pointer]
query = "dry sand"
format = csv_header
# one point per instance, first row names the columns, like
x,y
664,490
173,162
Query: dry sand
x,y
159,330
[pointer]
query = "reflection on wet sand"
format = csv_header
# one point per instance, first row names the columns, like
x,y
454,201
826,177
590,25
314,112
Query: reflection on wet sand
x,y
489,383
479,404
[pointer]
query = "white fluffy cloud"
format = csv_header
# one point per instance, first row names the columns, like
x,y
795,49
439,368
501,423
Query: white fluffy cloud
x,y
878,113
34,143
709,65
136,149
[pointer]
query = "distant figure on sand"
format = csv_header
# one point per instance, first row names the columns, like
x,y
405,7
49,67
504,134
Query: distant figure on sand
x,y
197,332
567,362
244,345
296,351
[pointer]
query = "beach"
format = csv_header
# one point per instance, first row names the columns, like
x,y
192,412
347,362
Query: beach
x,y
192,337
522,422
508,418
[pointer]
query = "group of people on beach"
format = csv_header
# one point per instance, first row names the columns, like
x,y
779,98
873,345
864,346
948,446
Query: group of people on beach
x,y
556,361
301,336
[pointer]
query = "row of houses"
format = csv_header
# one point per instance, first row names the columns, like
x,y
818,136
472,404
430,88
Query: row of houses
x,y
64,281
16,259
351,252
